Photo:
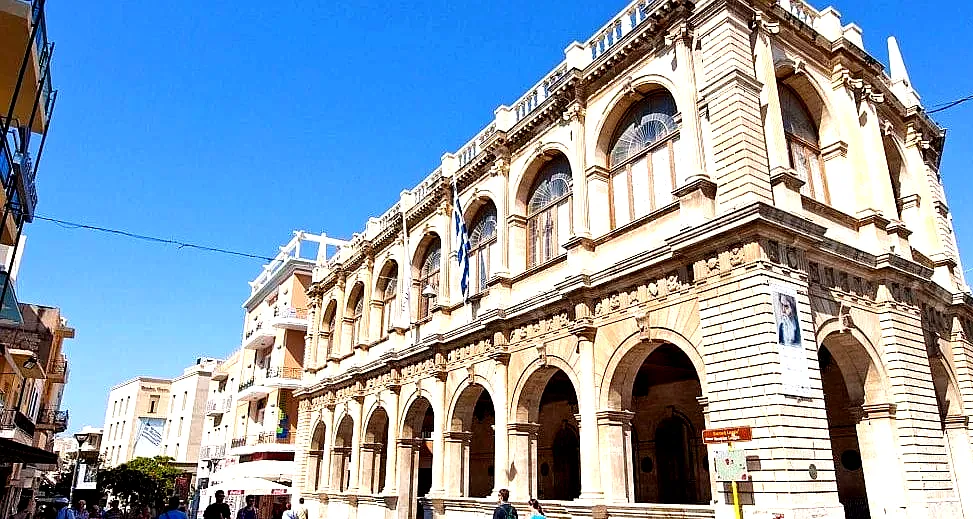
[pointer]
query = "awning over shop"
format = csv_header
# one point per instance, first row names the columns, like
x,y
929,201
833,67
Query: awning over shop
x,y
250,486
274,470
15,452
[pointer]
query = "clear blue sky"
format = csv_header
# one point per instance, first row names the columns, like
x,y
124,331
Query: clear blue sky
x,y
232,122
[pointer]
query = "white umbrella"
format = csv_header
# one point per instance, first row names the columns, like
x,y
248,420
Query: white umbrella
x,y
274,470
248,486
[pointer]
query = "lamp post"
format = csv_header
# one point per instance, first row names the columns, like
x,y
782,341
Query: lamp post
x,y
81,438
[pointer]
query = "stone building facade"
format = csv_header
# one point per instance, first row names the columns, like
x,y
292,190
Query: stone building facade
x,y
713,213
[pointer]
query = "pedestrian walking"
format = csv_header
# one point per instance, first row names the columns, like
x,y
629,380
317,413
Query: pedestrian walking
x,y
63,510
536,510
94,512
25,509
504,509
217,510
247,512
289,512
80,509
172,510
301,509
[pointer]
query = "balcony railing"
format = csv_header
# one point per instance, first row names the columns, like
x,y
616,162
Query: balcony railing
x,y
254,440
289,373
218,405
53,418
14,419
246,384
291,313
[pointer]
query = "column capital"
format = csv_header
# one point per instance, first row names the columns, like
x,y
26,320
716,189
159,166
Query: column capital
x,y
613,417
523,428
458,436
878,411
584,329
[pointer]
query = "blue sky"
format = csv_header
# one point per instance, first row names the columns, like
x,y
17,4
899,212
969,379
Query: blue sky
x,y
231,123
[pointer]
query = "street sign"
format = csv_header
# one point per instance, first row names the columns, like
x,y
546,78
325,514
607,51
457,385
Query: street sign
x,y
741,433
731,465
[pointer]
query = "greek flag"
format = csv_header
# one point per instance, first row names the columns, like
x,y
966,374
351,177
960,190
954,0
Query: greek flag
x,y
462,244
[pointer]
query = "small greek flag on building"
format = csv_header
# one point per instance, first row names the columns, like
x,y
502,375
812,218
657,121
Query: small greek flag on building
x,y
462,244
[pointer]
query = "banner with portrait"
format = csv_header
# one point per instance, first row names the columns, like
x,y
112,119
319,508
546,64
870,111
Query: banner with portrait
x,y
795,375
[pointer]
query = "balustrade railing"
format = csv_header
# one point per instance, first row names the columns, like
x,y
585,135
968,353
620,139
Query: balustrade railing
x,y
800,10
291,313
262,439
246,384
541,91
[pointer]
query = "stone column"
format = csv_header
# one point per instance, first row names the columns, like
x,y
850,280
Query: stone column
x,y
523,451
392,451
587,408
356,448
961,455
339,319
408,458
574,117
681,38
501,168
365,333
615,435
501,477
438,437
457,447
880,461
769,96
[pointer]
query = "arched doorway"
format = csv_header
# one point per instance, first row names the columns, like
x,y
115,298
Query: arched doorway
x,y
341,455
375,452
670,460
558,445
415,458
843,430
473,443
315,461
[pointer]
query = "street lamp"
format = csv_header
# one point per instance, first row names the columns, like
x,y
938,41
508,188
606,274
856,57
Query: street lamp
x,y
81,437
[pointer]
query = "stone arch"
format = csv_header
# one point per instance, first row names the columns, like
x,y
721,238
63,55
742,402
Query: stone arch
x,y
625,361
525,399
410,412
341,449
472,441
461,396
948,398
624,99
315,479
525,180
860,363
479,198
794,75
374,450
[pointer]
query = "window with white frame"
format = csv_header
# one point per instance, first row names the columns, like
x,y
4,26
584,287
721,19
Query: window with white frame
x,y
429,277
803,144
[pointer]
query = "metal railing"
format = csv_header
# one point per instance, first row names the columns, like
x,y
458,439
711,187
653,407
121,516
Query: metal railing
x,y
290,373
246,384
290,313
53,417
262,439
14,419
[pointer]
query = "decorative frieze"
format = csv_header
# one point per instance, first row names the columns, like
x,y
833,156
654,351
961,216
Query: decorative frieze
x,y
540,327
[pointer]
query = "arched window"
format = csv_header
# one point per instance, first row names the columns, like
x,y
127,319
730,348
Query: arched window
x,y
328,327
483,240
549,212
356,319
643,158
803,145
429,277
391,284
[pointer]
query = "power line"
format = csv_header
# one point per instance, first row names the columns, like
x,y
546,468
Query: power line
x,y
945,106
154,239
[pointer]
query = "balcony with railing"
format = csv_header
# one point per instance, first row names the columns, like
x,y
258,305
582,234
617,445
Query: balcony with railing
x,y
290,318
262,383
58,370
262,442
218,405
14,423
209,452
259,336
52,419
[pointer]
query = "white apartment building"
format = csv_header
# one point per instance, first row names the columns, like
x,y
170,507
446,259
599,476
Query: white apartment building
x,y
149,416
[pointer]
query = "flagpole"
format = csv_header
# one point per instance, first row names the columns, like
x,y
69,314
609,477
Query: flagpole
x,y
405,306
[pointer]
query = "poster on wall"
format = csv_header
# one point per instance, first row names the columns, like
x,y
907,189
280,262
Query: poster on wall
x,y
794,371
87,477
148,437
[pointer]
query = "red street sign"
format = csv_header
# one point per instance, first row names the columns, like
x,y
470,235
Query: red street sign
x,y
279,491
728,434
